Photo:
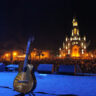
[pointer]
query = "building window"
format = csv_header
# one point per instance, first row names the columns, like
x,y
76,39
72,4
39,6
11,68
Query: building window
x,y
79,38
76,42
66,47
75,38
84,38
66,39
82,44
71,38
72,33
84,47
60,49
73,43
82,51
68,51
68,44
75,31
78,32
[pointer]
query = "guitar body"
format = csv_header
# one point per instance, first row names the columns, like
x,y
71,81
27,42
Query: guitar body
x,y
25,81
27,84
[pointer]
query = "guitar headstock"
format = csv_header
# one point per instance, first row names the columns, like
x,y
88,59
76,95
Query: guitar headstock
x,y
31,39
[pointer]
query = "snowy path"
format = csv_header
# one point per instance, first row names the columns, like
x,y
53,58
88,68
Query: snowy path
x,y
54,85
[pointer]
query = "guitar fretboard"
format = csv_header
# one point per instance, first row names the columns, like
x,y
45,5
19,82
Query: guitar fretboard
x,y
27,53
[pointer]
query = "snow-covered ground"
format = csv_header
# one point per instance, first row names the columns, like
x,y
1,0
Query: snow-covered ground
x,y
52,85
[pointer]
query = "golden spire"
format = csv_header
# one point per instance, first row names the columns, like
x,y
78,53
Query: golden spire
x,y
75,23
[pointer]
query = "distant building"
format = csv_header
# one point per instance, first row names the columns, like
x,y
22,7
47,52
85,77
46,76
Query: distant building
x,y
40,54
74,46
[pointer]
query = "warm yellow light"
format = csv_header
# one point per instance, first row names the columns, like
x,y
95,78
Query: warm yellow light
x,y
66,39
21,56
71,39
82,51
79,38
82,44
64,55
75,55
84,38
86,55
68,51
92,55
68,44
73,43
72,33
66,47
75,24
75,51
84,47
78,32
75,31
14,53
7,55
60,49
76,42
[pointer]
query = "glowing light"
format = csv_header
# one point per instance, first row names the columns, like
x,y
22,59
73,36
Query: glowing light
x,y
71,39
84,38
76,42
66,47
75,23
66,39
60,49
63,44
14,53
82,51
68,44
73,43
75,51
60,55
75,38
72,33
82,44
7,55
84,47
92,55
75,31
68,51
41,55
78,32
21,56
86,54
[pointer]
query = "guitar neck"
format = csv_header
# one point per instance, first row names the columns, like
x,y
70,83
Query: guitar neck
x,y
27,53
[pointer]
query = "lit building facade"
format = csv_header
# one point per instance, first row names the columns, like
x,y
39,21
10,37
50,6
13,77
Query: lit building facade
x,y
75,45
40,54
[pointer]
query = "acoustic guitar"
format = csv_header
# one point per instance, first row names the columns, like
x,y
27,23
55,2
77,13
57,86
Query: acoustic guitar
x,y
25,81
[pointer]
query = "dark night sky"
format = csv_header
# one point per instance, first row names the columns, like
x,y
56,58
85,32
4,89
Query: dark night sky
x,y
49,21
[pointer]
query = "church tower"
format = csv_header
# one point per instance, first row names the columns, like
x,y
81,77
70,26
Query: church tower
x,y
74,46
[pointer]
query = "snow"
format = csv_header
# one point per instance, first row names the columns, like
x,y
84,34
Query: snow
x,y
52,85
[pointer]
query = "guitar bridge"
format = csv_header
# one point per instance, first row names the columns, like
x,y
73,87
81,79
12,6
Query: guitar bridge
x,y
23,81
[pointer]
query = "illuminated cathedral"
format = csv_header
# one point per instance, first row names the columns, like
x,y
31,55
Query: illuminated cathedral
x,y
75,45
